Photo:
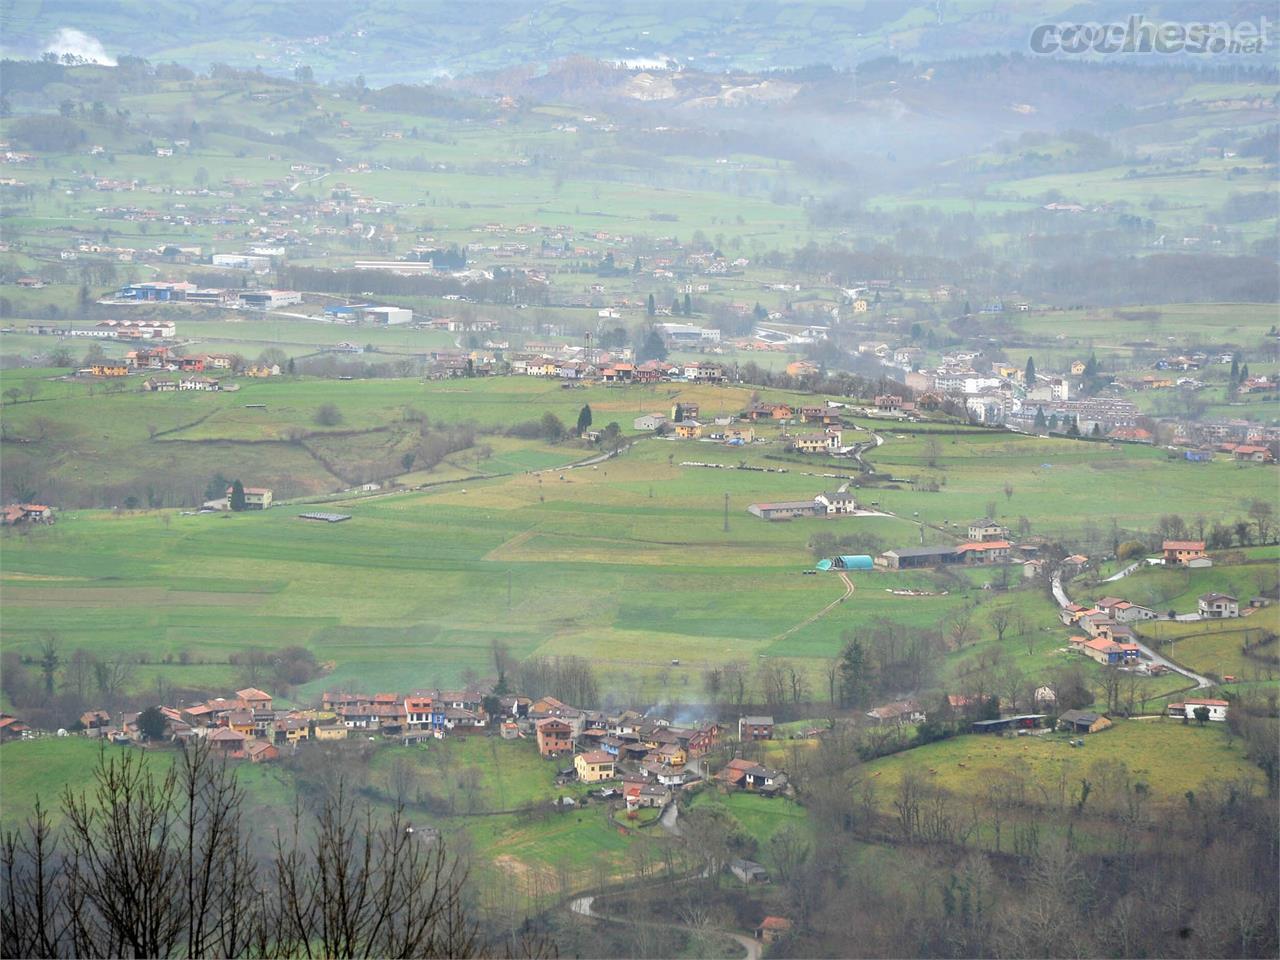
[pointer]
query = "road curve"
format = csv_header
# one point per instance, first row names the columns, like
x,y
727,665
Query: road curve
x,y
582,907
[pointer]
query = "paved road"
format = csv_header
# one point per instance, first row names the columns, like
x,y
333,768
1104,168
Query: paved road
x,y
582,907
670,819
1201,682
1123,573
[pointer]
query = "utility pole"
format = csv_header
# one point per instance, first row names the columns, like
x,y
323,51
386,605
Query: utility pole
x,y
726,513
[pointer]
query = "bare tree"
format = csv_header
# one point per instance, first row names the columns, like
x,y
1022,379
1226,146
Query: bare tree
x,y
153,865
961,628
1000,618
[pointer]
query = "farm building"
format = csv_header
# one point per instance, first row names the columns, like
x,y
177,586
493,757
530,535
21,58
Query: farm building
x,y
905,558
1022,721
786,509
772,928
1082,721
748,871
854,562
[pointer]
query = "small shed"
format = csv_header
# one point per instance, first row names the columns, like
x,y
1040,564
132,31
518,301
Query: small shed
x,y
748,871
1023,721
1083,721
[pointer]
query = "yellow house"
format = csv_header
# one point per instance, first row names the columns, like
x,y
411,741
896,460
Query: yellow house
x,y
672,754
1077,367
241,721
859,306
291,731
109,369
331,731
594,766
688,429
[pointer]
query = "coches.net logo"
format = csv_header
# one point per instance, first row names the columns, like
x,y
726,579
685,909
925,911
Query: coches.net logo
x,y
1140,35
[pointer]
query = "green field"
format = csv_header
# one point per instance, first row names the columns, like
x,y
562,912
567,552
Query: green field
x,y
1167,755
627,562
1214,647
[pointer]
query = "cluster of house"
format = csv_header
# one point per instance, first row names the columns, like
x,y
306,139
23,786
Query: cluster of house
x,y
1107,637
161,358
648,755
430,713
14,514
241,727
617,372
987,543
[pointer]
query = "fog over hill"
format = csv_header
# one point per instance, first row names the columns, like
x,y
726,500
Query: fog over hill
x,y
388,42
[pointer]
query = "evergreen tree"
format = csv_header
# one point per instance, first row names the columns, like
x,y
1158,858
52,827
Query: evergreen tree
x,y
237,495
1235,370
1244,372
584,419
1030,375
675,308
651,308
1040,420
855,686
760,313
1097,429
652,348
152,724
292,368
688,305
1074,429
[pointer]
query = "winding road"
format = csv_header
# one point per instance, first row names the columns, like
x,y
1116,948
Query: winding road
x,y
582,907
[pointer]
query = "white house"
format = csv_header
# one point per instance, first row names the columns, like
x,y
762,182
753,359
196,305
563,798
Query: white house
x,y
1217,708
1217,606
837,503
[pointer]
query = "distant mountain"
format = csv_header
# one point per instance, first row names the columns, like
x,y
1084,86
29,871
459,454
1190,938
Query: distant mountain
x,y
416,40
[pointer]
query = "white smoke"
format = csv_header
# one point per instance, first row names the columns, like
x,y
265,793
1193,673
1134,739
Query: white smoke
x,y
81,46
